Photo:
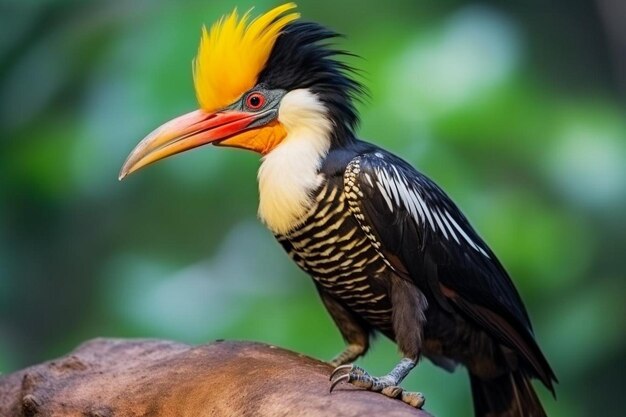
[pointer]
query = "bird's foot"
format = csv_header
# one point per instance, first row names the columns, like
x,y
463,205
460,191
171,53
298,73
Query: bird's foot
x,y
386,385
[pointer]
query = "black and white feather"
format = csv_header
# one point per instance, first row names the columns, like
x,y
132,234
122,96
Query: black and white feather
x,y
425,238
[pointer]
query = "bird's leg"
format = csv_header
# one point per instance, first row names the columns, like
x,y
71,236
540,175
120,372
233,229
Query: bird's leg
x,y
349,354
351,329
387,385
408,317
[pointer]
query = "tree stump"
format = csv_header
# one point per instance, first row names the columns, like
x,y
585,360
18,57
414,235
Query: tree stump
x,y
129,378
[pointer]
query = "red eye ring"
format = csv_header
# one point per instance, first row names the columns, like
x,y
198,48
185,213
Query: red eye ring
x,y
255,101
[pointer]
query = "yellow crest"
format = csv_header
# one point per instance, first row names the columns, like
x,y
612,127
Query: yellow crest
x,y
233,53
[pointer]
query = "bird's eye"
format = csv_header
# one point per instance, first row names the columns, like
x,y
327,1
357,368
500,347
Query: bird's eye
x,y
255,101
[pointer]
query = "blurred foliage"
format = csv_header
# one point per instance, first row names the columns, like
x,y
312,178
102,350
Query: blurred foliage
x,y
515,108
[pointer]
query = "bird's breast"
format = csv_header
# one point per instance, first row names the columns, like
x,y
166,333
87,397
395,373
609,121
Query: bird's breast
x,y
331,247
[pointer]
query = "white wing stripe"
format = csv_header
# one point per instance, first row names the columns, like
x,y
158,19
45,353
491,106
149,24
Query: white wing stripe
x,y
384,181
385,195
438,220
465,236
449,227
404,195
394,189
394,186
426,210
414,206
414,202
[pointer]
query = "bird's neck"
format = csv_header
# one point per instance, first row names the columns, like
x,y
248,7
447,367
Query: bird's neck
x,y
290,173
287,178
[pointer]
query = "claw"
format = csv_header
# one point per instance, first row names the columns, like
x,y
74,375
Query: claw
x,y
414,399
342,378
386,385
340,368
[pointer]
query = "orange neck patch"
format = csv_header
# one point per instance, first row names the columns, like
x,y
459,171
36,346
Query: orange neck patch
x,y
262,140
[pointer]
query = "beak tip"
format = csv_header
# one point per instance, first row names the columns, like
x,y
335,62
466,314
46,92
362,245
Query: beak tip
x,y
123,174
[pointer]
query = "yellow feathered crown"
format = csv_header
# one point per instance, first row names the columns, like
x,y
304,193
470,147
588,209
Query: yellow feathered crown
x,y
234,52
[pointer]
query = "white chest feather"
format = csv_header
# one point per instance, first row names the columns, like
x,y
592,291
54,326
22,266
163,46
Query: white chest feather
x,y
290,173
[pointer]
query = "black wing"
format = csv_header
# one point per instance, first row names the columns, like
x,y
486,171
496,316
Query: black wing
x,y
424,237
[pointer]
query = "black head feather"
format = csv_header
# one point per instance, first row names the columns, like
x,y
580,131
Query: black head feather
x,y
303,57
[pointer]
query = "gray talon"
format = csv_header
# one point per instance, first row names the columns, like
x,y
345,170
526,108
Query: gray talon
x,y
342,378
339,369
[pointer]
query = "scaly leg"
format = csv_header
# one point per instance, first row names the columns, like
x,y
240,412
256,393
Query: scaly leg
x,y
387,385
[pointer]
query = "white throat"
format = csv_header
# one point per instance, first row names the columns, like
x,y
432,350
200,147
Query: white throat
x,y
290,172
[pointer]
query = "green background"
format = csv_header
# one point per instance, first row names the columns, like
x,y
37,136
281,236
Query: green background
x,y
515,108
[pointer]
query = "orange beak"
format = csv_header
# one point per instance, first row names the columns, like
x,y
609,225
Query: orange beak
x,y
229,128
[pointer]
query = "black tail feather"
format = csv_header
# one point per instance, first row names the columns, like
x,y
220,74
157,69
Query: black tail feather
x,y
510,395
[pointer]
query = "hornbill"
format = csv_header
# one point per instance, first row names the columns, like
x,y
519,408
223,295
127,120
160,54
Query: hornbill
x,y
387,249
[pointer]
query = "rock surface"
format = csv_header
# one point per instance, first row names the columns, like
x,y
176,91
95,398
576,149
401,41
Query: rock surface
x,y
131,378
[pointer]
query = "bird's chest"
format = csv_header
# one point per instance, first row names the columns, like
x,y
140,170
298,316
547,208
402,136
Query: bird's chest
x,y
331,247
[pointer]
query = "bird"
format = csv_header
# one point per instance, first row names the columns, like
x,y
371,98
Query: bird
x,y
388,251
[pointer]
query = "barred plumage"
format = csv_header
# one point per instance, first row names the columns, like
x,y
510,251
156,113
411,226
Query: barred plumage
x,y
330,246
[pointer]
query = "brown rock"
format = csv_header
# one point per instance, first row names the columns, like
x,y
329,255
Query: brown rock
x,y
109,377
